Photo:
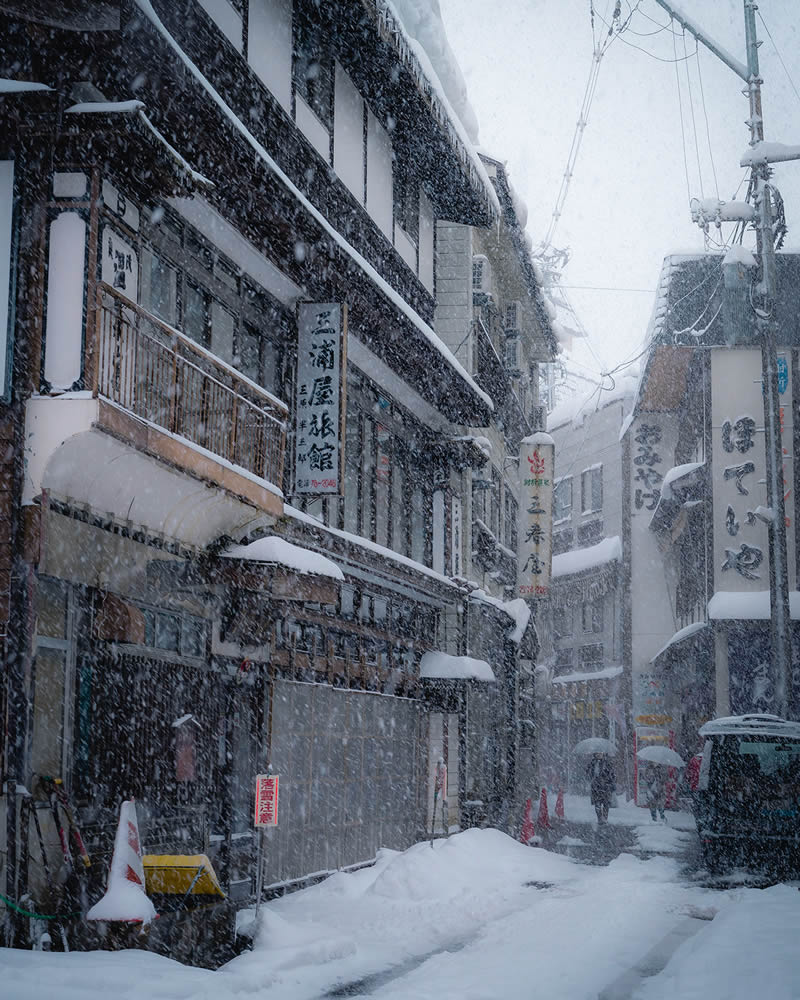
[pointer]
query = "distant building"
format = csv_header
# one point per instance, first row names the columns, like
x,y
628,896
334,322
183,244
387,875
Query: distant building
x,y
698,632
584,683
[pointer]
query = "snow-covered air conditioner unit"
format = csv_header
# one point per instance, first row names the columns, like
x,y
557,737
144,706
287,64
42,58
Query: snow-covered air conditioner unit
x,y
513,317
481,279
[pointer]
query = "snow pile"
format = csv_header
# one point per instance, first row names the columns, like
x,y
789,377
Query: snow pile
x,y
273,549
603,552
675,473
442,665
748,950
20,86
662,838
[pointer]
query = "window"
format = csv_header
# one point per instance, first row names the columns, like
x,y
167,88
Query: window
x,y
562,622
562,541
593,616
159,286
313,66
591,656
510,526
592,489
562,498
565,659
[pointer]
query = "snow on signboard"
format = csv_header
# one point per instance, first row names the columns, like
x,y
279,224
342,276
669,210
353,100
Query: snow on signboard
x,y
319,407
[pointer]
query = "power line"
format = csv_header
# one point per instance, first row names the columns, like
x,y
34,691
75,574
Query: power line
x,y
683,130
705,115
777,53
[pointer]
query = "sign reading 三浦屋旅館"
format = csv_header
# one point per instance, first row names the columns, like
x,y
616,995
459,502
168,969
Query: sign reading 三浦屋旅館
x,y
535,540
321,364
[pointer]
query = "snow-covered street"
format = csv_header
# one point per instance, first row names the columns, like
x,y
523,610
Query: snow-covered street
x,y
478,916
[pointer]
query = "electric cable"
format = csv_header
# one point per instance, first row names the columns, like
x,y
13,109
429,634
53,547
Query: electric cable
x,y
694,123
683,131
777,53
708,129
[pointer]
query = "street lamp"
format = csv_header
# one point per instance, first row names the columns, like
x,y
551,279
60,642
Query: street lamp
x,y
758,159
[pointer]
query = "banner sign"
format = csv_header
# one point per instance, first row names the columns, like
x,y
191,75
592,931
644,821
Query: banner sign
x,y
535,543
266,800
319,407
741,538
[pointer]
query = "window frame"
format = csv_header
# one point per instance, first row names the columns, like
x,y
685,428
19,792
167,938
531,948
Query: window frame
x,y
562,483
595,489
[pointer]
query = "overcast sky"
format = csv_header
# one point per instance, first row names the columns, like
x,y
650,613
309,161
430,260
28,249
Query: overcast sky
x,y
526,64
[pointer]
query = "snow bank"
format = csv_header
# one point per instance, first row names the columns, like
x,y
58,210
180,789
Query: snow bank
x,y
748,950
444,666
606,551
273,549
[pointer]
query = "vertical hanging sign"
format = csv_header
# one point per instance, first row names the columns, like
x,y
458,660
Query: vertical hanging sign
x,y
266,811
535,545
319,406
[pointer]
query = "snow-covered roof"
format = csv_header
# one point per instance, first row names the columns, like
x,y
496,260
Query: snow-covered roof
x,y
21,86
518,609
680,635
365,543
417,33
390,293
589,675
273,549
605,551
763,725
748,605
105,108
447,667
678,472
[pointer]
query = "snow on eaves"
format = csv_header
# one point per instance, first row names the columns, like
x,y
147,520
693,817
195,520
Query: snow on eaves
x,y
137,107
748,605
21,86
365,543
589,675
272,549
518,609
680,635
605,551
394,297
418,35
443,666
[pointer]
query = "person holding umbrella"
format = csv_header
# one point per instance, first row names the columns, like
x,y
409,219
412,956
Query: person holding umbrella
x,y
602,778
655,792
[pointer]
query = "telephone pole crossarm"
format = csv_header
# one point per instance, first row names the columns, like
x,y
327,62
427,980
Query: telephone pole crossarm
x,y
688,24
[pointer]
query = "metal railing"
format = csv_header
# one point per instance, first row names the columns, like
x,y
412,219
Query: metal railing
x,y
160,375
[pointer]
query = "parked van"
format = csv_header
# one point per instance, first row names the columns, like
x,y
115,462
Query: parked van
x,y
747,802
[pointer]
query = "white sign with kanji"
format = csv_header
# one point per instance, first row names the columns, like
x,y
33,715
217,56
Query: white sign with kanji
x,y
319,405
535,544
266,800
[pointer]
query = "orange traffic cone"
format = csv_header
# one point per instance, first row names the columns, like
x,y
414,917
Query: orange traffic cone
x,y
125,899
543,821
528,829
560,804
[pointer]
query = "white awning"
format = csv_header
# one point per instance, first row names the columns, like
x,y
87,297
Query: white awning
x,y
446,667
680,635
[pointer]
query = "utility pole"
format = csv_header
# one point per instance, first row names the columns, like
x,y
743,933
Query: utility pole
x,y
765,295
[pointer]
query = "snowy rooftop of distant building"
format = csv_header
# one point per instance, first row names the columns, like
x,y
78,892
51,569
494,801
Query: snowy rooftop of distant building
x,y
605,551
752,605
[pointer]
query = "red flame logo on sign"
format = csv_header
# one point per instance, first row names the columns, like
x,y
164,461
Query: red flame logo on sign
x,y
536,463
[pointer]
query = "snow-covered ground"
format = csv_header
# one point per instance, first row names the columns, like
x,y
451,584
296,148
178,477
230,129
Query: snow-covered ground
x,y
475,917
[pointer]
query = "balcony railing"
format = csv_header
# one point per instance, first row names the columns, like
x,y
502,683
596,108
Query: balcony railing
x,y
160,375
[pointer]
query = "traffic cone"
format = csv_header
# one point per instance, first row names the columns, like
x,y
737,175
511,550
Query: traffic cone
x,y
560,804
125,899
528,829
543,821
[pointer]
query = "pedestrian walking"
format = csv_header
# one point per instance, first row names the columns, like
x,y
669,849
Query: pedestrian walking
x,y
655,792
602,778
